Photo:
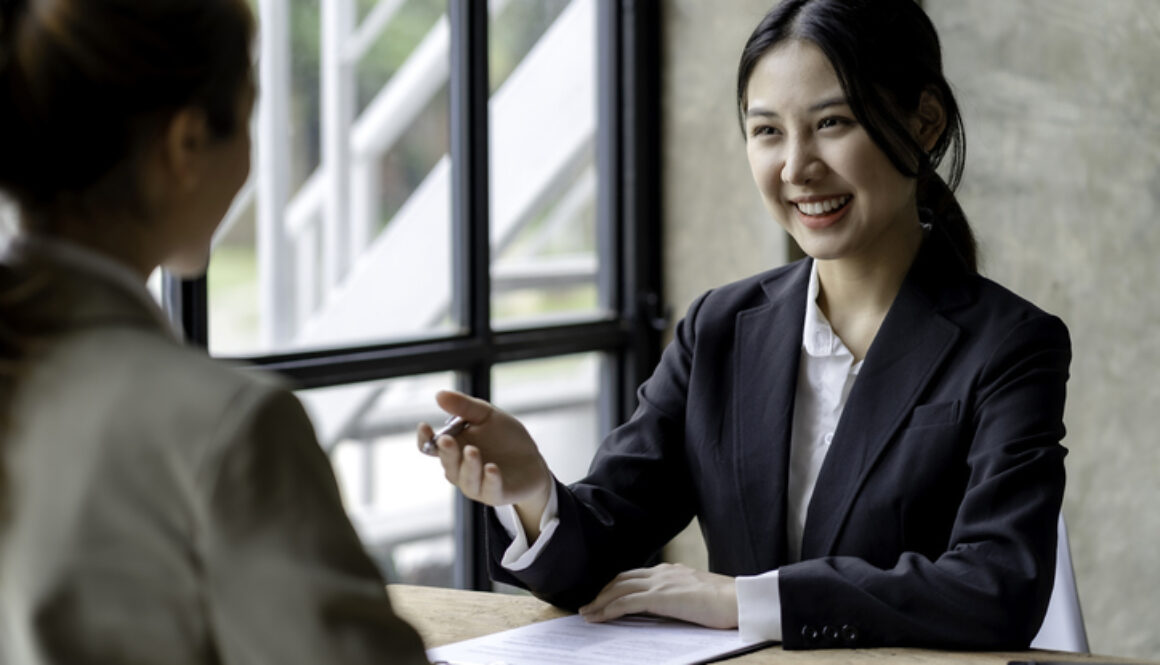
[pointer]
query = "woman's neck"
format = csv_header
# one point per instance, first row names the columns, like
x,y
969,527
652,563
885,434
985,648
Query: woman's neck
x,y
856,292
126,241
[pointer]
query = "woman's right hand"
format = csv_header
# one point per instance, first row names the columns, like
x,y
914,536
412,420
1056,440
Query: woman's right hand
x,y
493,461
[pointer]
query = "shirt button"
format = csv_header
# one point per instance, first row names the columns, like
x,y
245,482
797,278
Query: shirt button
x,y
828,438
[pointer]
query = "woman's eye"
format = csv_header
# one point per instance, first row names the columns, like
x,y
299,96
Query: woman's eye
x,y
763,130
834,121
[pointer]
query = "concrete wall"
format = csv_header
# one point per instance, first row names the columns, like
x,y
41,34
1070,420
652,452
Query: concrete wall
x,y
1063,187
716,227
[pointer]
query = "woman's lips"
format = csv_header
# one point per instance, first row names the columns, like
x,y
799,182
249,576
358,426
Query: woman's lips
x,y
821,213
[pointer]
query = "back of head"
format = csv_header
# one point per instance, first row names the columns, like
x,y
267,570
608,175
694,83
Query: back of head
x,y
84,85
886,54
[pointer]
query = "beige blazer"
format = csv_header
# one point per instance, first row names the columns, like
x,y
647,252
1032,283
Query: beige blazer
x,y
169,509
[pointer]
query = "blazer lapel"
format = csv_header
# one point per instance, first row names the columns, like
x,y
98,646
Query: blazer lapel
x,y
766,353
908,349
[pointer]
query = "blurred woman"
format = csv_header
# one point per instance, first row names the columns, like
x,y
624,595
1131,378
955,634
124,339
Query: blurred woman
x,y
157,507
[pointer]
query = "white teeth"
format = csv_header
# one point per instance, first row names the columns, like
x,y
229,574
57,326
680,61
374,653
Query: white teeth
x,y
822,207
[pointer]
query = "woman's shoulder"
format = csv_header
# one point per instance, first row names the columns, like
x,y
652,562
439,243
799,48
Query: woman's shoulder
x,y
142,381
970,297
994,302
785,281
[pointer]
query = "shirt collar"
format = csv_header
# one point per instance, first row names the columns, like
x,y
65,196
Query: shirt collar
x,y
818,338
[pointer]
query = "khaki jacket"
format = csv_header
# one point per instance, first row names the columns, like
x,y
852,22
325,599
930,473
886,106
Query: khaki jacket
x,y
168,509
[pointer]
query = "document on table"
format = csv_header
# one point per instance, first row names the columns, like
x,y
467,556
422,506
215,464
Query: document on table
x,y
570,640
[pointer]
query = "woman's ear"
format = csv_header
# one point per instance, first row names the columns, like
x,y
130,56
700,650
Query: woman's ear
x,y
929,120
183,144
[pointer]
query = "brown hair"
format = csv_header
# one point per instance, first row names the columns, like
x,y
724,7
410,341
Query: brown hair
x,y
85,85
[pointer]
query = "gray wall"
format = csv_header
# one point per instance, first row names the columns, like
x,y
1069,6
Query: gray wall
x,y
1062,185
716,227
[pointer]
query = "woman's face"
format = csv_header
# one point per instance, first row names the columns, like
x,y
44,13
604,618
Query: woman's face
x,y
821,175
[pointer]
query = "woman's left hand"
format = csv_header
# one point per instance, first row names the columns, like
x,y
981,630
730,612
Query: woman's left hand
x,y
670,590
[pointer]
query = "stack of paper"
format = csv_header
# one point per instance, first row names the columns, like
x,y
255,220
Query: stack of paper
x,y
570,640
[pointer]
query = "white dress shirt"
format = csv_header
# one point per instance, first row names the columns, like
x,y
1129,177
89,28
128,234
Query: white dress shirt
x,y
825,377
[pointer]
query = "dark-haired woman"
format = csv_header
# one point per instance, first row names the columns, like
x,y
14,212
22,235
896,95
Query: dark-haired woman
x,y
157,507
870,437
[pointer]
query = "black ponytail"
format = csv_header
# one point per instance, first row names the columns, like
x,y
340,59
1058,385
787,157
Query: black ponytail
x,y
940,207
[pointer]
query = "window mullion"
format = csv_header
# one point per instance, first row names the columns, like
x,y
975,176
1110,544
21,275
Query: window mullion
x,y
640,223
471,252
186,303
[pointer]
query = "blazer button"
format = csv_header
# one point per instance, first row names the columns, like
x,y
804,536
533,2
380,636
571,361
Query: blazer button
x,y
811,634
850,635
830,634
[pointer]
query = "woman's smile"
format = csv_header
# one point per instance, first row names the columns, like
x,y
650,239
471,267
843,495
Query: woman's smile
x,y
821,212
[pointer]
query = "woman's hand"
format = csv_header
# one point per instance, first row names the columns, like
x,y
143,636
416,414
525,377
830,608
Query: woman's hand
x,y
670,590
493,461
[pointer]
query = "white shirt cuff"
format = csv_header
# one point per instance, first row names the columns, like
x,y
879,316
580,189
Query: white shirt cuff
x,y
518,555
759,607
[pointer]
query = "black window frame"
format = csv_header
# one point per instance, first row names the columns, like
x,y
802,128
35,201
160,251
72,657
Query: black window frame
x,y
628,240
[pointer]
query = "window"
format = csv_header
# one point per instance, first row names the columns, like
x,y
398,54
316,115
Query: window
x,y
445,193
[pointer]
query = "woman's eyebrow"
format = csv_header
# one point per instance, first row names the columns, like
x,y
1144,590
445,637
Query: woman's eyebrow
x,y
827,103
757,111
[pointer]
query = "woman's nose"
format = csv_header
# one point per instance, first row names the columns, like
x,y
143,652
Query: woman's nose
x,y
802,165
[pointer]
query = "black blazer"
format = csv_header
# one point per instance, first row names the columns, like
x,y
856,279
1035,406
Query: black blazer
x,y
933,522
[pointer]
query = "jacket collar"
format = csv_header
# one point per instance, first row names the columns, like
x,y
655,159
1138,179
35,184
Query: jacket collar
x,y
69,287
910,346
767,350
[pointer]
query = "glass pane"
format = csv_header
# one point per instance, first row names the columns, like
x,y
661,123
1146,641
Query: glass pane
x,y
343,235
543,179
555,398
397,498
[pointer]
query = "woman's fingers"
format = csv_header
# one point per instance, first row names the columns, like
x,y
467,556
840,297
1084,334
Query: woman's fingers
x,y
474,411
491,488
636,602
619,587
669,590
450,456
470,472
423,434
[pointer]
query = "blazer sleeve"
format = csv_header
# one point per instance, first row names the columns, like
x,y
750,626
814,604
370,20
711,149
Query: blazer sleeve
x,y
990,588
636,497
286,578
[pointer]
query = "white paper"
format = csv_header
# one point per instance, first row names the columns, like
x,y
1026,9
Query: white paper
x,y
571,640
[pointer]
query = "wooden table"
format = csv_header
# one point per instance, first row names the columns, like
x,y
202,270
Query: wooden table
x,y
447,615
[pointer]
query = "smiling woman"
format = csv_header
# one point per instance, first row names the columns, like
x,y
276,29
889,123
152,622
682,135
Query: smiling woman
x,y
869,437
